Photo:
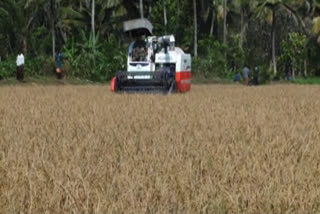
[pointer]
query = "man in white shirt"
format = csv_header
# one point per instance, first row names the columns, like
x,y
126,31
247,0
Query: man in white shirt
x,y
20,64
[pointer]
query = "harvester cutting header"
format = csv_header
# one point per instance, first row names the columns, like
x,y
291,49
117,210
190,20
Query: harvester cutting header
x,y
154,63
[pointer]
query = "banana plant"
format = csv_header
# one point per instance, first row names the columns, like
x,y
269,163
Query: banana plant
x,y
316,18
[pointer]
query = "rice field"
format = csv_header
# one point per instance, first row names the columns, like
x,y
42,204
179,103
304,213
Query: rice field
x,y
217,149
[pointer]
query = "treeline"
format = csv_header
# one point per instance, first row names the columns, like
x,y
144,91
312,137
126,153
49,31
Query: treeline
x,y
279,36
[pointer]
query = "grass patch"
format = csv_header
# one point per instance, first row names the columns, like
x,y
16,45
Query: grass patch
x,y
47,80
307,81
211,80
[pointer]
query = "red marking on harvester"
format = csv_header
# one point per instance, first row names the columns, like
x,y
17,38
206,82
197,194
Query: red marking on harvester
x,y
113,84
183,79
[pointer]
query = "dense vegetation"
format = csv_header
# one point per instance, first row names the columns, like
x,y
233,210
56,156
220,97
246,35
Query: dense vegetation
x,y
279,36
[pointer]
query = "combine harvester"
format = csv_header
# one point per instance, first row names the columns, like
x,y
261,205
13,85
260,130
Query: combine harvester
x,y
154,63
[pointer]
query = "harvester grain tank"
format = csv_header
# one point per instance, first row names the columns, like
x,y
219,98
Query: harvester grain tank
x,y
154,64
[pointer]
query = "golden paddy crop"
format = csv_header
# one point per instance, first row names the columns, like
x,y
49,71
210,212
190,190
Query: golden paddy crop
x,y
82,149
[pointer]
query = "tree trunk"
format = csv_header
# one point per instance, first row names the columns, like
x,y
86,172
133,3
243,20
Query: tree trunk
x,y
165,15
24,45
195,28
141,9
52,18
274,60
224,21
213,19
10,46
93,32
63,35
93,25
242,27
293,72
305,68
177,17
53,33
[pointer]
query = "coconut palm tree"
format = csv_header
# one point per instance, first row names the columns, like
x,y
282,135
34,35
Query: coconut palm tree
x,y
165,15
224,21
90,15
18,22
195,28
219,16
48,7
269,8
245,8
141,9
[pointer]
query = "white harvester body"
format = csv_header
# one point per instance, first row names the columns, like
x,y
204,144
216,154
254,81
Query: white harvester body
x,y
155,64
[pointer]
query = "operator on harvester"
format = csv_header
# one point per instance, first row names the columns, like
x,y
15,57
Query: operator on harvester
x,y
137,50
140,54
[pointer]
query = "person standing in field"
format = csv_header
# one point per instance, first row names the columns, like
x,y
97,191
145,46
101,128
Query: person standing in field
x,y
20,64
237,77
245,75
59,65
287,71
256,76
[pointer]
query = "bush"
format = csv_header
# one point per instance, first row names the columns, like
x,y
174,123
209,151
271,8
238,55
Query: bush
x,y
294,53
307,81
265,75
212,62
7,68
67,68
235,54
217,59
98,64
39,66
49,66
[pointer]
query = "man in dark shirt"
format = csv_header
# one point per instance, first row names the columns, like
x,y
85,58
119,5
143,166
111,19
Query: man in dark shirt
x,y
59,65
256,76
237,77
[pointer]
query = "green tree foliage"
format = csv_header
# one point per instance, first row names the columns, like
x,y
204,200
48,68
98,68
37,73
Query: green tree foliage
x,y
229,34
213,61
98,64
294,53
16,24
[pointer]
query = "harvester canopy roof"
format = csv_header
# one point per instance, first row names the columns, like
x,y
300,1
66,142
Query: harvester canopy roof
x,y
138,27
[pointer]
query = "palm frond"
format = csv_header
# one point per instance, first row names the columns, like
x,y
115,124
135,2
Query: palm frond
x,y
316,25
